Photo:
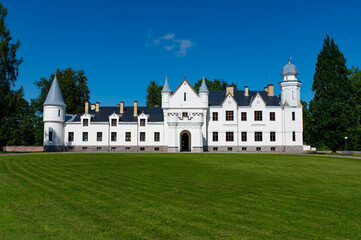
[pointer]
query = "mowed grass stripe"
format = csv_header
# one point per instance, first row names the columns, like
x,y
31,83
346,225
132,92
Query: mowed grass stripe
x,y
209,196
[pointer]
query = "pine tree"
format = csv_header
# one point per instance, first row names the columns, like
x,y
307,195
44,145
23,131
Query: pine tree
x,y
154,94
333,108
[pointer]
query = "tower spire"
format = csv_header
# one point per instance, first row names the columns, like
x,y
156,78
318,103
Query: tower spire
x,y
166,87
54,96
203,87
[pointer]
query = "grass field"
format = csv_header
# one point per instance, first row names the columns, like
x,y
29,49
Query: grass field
x,y
179,196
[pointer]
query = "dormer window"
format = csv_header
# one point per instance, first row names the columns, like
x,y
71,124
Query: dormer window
x,y
85,122
114,122
185,96
142,122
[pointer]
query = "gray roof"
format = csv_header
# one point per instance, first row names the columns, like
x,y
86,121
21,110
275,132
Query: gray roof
x,y
216,98
203,87
166,87
155,114
54,96
289,69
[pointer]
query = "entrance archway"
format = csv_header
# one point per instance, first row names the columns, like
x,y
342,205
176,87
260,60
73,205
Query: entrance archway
x,y
185,141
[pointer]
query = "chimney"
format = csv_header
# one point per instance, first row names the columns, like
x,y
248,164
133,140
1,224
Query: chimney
x,y
246,93
270,90
87,107
121,109
265,89
230,89
92,106
97,106
135,109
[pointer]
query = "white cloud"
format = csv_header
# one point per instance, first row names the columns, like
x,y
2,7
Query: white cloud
x,y
177,46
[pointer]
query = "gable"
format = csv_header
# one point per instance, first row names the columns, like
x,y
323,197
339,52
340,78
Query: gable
x,y
229,102
185,96
257,101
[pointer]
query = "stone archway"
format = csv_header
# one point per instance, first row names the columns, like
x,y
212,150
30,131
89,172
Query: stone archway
x,y
185,141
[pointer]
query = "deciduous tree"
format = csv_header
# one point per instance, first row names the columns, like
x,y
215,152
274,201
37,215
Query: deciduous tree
x,y
154,94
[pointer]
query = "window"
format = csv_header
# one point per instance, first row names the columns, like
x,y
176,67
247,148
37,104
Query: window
x,y
243,116
272,136
229,149
142,148
128,136
50,136
113,136
184,114
273,149
258,148
114,122
258,136
244,149
156,149
85,122
84,148
113,149
215,136
58,113
142,122
215,116
229,136
244,136
142,136
258,115
215,149
70,136
294,136
293,116
127,149
99,148
156,136
229,116
272,116
185,96
85,136
99,136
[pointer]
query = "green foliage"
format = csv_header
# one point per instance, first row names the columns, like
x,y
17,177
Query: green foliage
x,y
154,94
306,123
73,85
354,75
334,107
9,70
215,84
179,196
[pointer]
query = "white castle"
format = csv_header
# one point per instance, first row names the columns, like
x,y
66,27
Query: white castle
x,y
226,120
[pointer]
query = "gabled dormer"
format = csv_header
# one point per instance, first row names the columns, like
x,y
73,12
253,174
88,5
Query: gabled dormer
x,y
85,119
257,101
114,119
143,119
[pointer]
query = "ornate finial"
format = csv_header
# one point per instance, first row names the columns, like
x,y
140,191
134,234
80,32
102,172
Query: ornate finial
x,y
269,81
185,78
289,59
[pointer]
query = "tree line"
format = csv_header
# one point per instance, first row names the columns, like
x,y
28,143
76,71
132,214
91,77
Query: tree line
x,y
333,113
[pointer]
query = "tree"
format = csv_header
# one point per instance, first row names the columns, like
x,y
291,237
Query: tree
x,y
73,85
216,84
306,123
332,109
154,94
9,70
354,75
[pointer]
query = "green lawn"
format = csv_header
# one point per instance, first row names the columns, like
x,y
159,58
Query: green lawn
x,y
179,196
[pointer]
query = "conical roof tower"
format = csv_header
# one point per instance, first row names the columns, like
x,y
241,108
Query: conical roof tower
x,y
54,96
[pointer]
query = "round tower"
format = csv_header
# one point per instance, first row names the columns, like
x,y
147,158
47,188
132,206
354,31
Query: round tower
x,y
290,86
203,92
166,94
54,118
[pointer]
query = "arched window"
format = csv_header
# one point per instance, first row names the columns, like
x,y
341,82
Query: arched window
x,y
185,96
58,113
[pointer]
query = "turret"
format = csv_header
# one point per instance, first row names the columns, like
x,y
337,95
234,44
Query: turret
x,y
54,118
166,93
203,92
290,86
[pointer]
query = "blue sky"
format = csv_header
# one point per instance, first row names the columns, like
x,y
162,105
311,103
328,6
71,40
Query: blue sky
x,y
123,45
